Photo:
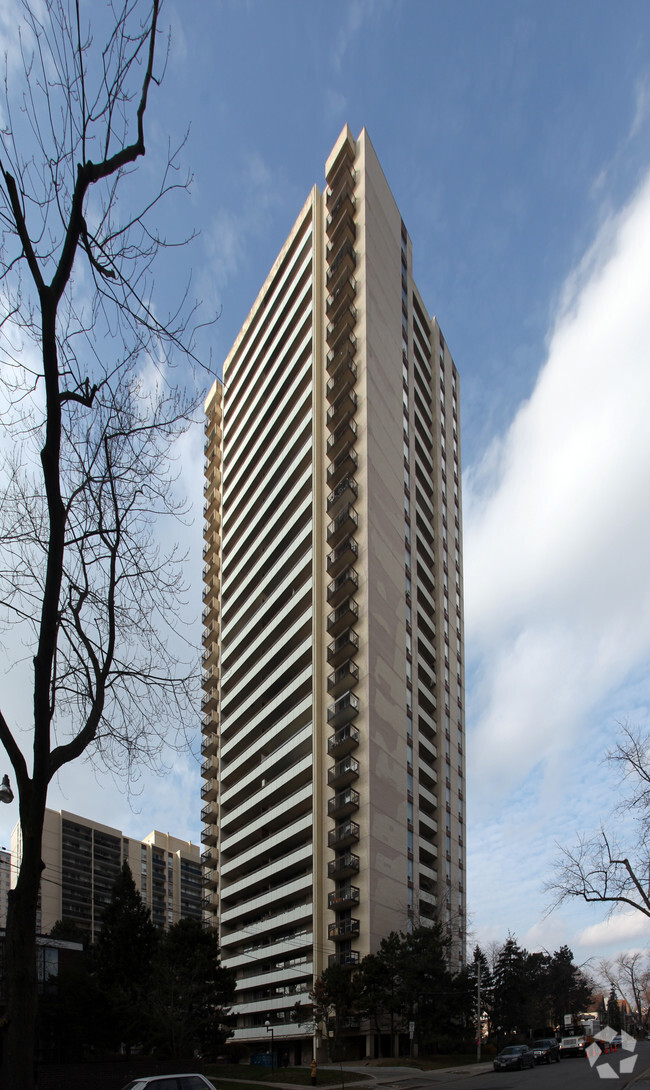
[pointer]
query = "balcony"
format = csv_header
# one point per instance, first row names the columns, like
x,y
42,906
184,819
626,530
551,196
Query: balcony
x,y
341,178
209,834
344,554
343,710
344,929
344,616
343,380
344,678
344,467
342,265
210,790
342,526
211,876
344,294
211,676
210,741
343,898
339,413
344,229
343,586
343,437
342,207
348,959
343,773
343,835
343,495
343,355
210,701
344,647
341,327
343,804
344,741
344,866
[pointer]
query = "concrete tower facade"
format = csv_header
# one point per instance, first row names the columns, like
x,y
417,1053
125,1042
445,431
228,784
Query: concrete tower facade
x,y
333,714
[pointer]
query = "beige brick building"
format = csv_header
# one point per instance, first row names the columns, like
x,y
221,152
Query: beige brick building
x,y
82,859
333,713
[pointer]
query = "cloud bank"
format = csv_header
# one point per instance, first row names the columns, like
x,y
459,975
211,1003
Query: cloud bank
x,y
557,525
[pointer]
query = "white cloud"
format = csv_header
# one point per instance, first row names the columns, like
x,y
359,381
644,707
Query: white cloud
x,y
620,929
557,584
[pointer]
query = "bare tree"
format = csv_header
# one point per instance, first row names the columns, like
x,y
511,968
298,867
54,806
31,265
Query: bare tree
x,y
629,974
89,413
597,869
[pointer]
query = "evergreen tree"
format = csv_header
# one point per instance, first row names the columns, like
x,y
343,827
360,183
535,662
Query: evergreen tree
x,y
510,989
335,999
189,1005
123,957
613,1011
379,982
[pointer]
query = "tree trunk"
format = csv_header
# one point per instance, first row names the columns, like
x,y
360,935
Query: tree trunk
x,y
21,984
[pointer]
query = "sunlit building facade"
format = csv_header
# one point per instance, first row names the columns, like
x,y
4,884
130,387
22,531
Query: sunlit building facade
x,y
333,712
82,859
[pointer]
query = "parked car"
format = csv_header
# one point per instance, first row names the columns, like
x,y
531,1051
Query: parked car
x,y
573,1046
546,1049
170,1082
514,1056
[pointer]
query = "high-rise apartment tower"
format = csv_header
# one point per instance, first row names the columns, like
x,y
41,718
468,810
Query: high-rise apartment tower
x,y
333,718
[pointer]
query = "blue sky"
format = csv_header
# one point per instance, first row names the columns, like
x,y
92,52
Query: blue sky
x,y
516,139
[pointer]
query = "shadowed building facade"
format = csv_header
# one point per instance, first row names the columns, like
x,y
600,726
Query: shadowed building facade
x,y
333,711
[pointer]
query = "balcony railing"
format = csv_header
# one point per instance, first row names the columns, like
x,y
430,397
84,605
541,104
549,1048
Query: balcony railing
x,y
342,264
348,960
345,553
342,355
342,410
343,495
345,929
343,710
343,772
344,206
345,897
343,437
343,525
344,866
341,180
344,678
342,648
344,293
341,328
343,586
344,834
343,467
343,741
344,616
343,804
343,379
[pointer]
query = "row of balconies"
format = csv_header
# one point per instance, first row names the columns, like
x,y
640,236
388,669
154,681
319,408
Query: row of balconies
x,y
344,580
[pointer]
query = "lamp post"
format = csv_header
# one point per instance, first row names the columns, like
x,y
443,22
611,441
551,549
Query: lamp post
x,y
6,794
269,1029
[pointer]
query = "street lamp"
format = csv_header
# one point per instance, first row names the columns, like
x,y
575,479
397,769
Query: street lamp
x,y
269,1029
6,794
